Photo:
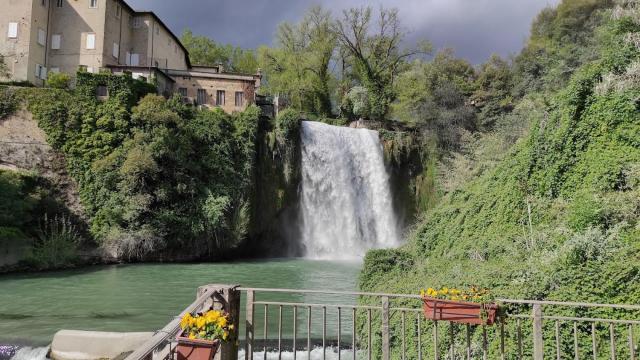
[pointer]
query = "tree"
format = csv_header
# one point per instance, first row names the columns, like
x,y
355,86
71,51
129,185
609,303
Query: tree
x,y
299,66
206,52
433,97
374,52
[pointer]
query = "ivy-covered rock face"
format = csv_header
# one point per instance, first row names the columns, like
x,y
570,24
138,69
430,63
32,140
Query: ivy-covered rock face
x,y
558,217
154,175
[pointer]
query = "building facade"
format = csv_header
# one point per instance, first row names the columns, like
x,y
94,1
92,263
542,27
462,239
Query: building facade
x,y
44,36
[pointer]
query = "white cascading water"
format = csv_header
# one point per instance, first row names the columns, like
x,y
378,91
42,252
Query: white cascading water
x,y
346,199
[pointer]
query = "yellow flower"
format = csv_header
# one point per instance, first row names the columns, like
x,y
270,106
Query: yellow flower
x,y
422,293
192,336
225,335
201,322
222,321
212,315
231,327
432,292
186,321
444,291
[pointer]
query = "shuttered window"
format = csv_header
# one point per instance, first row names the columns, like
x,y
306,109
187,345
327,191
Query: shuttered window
x,y
116,50
56,41
42,37
202,97
13,30
220,98
91,41
135,60
239,98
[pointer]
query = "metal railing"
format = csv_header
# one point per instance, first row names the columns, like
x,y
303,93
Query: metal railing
x,y
326,324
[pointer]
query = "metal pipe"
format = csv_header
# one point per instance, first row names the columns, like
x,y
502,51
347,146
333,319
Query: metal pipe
x,y
295,330
369,334
309,333
339,329
280,333
353,333
404,334
265,333
557,340
324,332
594,344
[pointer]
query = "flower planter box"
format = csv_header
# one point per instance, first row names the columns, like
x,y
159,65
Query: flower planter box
x,y
196,349
463,312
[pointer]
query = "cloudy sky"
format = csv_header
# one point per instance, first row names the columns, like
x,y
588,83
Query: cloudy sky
x,y
475,28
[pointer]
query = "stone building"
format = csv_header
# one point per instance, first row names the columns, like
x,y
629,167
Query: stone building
x,y
44,36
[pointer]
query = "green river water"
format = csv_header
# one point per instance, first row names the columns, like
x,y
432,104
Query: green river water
x,y
146,297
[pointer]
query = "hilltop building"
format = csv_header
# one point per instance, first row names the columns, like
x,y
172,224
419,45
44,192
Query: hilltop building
x,y
39,37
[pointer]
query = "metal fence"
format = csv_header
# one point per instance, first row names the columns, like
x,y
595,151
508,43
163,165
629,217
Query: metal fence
x,y
325,324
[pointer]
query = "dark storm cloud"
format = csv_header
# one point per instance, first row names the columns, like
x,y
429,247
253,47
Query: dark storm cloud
x,y
474,28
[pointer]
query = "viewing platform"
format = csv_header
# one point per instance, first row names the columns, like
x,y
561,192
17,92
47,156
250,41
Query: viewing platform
x,y
393,326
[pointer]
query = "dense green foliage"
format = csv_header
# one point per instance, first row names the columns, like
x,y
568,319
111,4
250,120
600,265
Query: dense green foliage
x,y
206,52
298,67
8,102
31,217
556,216
58,80
154,174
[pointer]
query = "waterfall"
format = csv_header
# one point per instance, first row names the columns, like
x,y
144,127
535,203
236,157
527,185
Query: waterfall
x,y
346,203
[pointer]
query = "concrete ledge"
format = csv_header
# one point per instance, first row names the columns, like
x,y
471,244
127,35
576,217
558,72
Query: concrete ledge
x,y
90,345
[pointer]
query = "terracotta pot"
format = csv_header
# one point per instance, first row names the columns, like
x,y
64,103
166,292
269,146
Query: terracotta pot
x,y
196,349
463,312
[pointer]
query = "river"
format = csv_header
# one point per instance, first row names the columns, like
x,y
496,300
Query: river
x,y
144,297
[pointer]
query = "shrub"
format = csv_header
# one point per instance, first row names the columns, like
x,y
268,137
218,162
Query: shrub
x,y
288,124
58,80
8,102
57,243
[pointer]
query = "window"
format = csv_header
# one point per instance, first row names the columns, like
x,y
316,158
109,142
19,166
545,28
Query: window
x,y
102,91
220,97
118,10
56,41
13,30
42,37
43,2
137,22
133,59
41,72
239,98
202,97
116,50
91,41
59,3
182,91
93,4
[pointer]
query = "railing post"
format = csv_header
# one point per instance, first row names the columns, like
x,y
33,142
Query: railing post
x,y
538,342
226,298
249,326
385,329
